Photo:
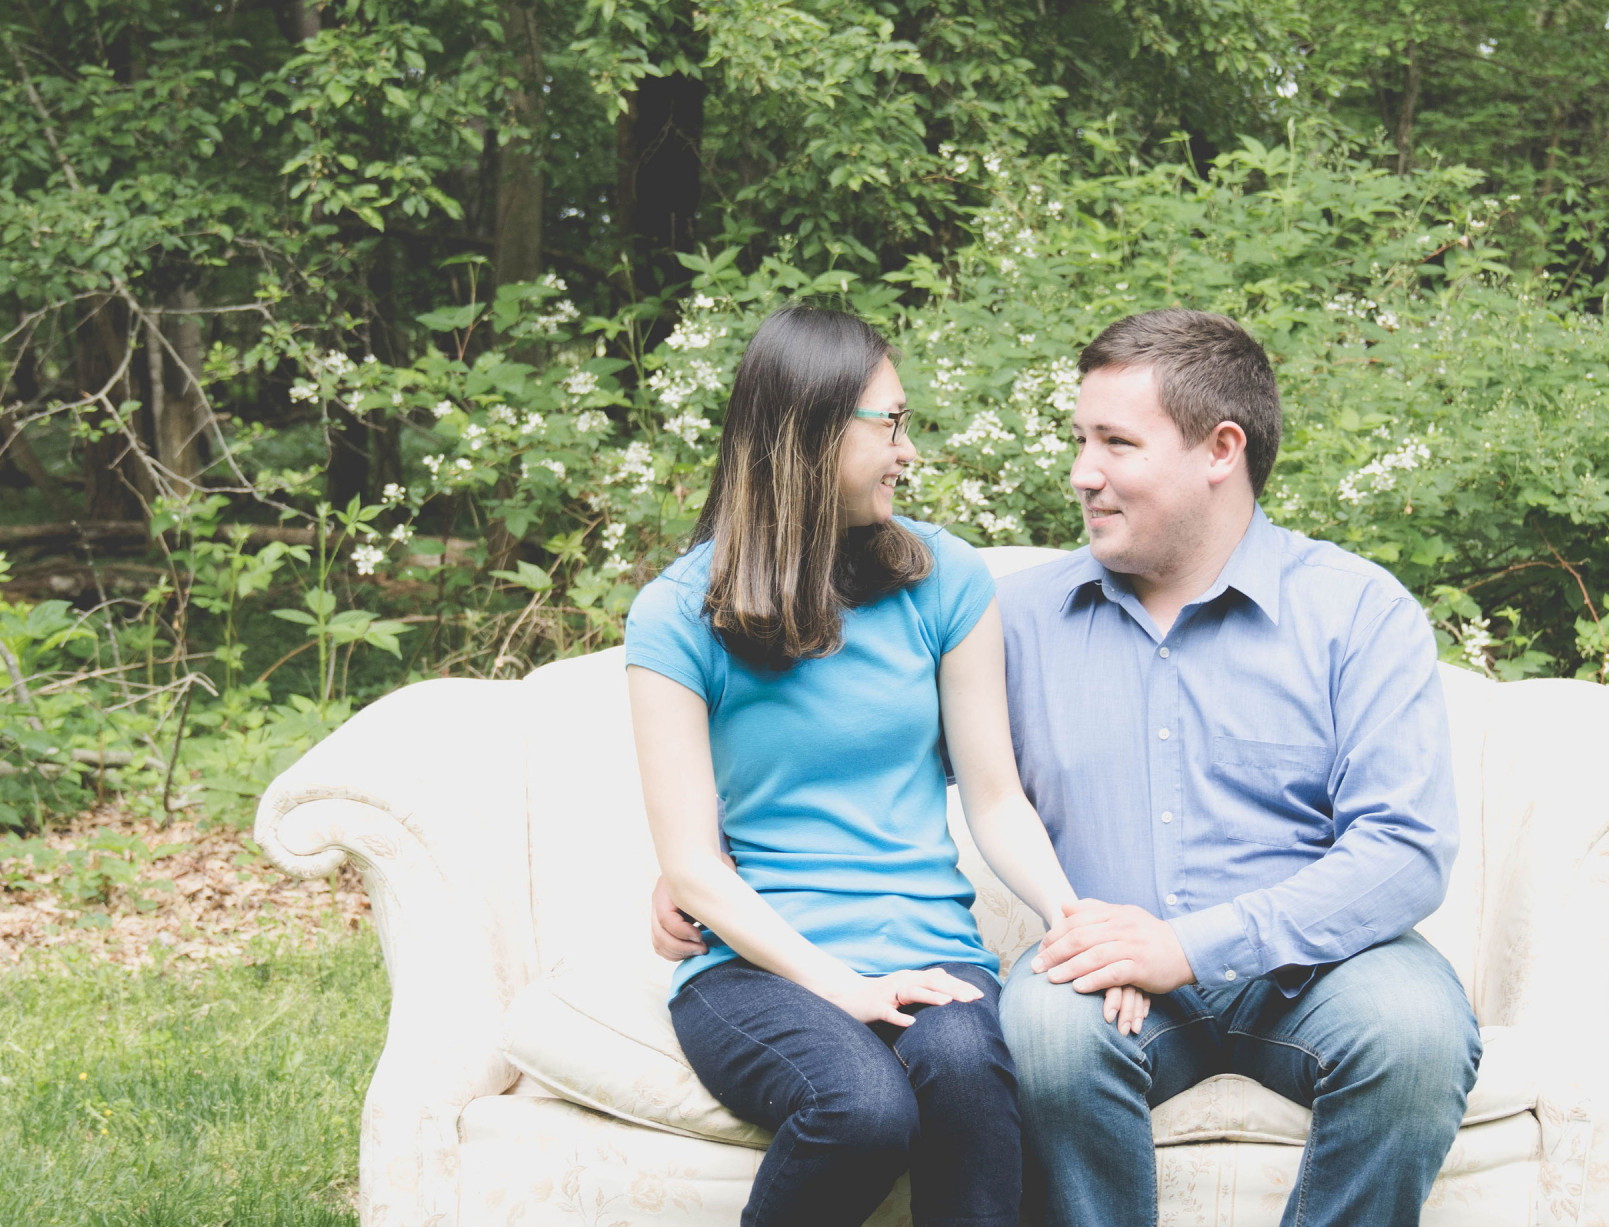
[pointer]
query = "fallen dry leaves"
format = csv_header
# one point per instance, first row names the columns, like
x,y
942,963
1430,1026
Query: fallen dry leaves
x,y
224,896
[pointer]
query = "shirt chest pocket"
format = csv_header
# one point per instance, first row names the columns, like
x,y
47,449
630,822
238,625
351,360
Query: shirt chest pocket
x,y
1272,792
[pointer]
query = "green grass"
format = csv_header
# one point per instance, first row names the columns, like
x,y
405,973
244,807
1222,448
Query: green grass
x,y
184,1097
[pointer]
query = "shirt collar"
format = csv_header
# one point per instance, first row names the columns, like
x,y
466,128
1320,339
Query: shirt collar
x,y
1252,570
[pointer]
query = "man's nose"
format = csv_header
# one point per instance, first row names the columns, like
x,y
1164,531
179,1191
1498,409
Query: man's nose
x,y
1085,475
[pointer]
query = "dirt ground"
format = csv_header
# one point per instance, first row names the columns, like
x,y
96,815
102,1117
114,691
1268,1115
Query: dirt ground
x,y
224,896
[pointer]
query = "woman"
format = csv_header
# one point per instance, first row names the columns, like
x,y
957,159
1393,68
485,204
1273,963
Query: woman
x,y
788,679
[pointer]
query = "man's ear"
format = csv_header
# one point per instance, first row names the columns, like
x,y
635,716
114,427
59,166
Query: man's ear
x,y
1226,452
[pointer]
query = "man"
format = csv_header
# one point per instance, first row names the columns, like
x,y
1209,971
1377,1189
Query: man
x,y
1236,739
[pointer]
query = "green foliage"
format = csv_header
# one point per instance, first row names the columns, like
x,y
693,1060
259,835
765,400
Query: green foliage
x,y
416,453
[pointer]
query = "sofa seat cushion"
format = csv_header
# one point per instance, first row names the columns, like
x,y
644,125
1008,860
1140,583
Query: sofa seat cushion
x,y
1229,1108
603,1039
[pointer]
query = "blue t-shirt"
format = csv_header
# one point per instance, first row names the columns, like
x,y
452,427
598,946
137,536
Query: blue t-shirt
x,y
830,775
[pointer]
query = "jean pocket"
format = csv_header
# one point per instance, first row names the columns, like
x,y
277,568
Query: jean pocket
x,y
1280,791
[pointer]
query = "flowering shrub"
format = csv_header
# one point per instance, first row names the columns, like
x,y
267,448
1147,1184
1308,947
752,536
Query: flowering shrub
x,y
1443,418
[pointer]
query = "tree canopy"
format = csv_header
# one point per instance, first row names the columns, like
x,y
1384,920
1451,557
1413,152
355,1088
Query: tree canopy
x,y
369,307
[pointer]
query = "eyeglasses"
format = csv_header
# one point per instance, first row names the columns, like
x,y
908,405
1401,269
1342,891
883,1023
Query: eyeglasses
x,y
901,421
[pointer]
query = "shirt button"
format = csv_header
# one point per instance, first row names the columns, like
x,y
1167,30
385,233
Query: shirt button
x,y
1172,899
1229,974
1163,734
1167,815
1162,652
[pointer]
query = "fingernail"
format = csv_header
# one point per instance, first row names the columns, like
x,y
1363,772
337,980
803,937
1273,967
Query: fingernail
x,y
1038,965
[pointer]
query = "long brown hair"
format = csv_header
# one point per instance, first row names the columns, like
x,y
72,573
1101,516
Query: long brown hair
x,y
784,566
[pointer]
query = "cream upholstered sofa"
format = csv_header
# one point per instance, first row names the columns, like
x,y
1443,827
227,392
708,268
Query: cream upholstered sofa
x,y
530,1075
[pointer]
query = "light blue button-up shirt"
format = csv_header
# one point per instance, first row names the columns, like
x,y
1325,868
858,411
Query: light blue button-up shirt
x,y
1272,776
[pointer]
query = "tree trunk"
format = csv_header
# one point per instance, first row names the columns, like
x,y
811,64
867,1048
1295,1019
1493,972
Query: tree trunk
x,y
178,410
14,448
659,181
1403,134
517,237
117,484
299,19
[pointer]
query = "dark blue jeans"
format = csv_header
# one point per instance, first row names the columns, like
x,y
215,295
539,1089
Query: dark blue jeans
x,y
853,1106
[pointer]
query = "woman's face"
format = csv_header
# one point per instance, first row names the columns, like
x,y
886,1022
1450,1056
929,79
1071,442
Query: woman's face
x,y
870,462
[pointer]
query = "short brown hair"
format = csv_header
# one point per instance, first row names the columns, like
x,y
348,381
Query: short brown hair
x,y
1208,370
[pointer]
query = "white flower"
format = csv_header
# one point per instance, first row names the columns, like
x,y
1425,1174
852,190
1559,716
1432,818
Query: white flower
x,y
613,534
984,428
1381,473
635,461
998,526
338,363
433,463
687,426
556,467
703,302
1475,638
475,435
561,312
503,415
534,423
442,408
676,387
366,557
582,383
393,493
689,335
589,420
463,465
302,390
402,533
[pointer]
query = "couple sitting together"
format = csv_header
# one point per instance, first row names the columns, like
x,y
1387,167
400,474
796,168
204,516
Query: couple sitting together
x,y
1210,753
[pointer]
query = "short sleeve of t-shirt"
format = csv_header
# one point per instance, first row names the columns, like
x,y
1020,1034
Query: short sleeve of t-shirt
x,y
666,631
953,597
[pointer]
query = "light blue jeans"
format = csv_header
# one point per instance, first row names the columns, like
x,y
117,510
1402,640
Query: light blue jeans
x,y
1383,1047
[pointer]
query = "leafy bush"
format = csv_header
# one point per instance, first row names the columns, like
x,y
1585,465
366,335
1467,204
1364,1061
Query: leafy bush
x,y
1444,417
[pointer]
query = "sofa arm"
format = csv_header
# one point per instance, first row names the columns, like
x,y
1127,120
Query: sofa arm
x,y
426,792
1545,944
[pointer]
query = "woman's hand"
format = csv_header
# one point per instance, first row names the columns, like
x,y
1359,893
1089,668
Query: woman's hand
x,y
878,998
1127,1006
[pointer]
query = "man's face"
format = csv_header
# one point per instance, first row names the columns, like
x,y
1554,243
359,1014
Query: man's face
x,y
1144,494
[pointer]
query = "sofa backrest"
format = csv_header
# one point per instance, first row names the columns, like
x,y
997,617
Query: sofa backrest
x,y
592,864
